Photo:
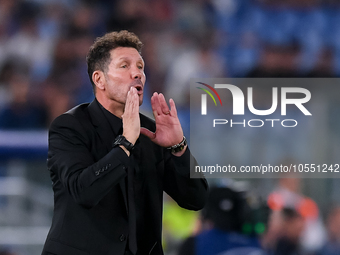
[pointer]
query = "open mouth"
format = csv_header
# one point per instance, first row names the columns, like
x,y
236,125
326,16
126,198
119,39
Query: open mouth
x,y
139,89
138,85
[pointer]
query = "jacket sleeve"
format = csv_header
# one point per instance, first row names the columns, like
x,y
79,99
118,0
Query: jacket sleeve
x,y
71,162
189,193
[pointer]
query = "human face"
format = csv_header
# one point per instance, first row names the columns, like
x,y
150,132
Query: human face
x,y
125,70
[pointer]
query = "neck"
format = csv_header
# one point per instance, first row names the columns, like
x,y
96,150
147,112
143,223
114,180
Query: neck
x,y
114,107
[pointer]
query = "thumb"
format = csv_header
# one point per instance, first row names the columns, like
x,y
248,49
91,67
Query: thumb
x,y
147,132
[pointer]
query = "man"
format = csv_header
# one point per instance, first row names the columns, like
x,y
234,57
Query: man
x,y
292,224
108,168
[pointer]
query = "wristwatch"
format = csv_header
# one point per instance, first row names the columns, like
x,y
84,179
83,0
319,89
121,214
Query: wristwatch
x,y
121,140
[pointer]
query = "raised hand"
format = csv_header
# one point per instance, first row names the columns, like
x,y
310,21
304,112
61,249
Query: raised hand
x,y
168,128
131,121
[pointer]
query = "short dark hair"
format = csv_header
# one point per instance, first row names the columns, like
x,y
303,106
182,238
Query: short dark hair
x,y
290,214
98,57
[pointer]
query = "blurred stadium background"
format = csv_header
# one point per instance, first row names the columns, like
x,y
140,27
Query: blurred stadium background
x,y
43,44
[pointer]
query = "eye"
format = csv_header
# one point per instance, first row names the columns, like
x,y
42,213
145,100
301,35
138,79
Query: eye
x,y
140,67
124,66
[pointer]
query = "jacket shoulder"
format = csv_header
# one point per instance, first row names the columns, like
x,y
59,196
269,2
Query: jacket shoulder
x,y
73,125
79,110
76,118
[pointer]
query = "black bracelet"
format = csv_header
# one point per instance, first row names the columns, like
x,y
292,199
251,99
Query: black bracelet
x,y
178,147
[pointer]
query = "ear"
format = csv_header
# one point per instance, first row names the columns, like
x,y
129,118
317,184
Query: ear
x,y
98,79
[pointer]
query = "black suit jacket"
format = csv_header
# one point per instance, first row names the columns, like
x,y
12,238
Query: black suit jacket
x,y
90,199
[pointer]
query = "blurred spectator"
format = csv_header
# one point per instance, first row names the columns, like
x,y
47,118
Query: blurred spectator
x,y
288,195
129,15
26,43
332,246
22,112
57,95
277,61
85,19
9,68
223,219
69,70
7,20
273,232
290,232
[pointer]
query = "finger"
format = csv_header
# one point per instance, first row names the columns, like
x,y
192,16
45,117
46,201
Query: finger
x,y
131,105
127,103
154,111
129,100
135,101
164,105
147,133
173,107
156,108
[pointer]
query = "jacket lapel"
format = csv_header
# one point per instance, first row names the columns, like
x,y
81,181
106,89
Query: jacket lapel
x,y
101,124
106,135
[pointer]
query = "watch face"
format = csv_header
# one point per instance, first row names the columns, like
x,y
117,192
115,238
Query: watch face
x,y
119,140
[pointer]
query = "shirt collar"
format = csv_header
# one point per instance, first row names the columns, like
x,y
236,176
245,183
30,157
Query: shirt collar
x,y
116,123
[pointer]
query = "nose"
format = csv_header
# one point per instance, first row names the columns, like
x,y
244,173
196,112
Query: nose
x,y
138,76
137,73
